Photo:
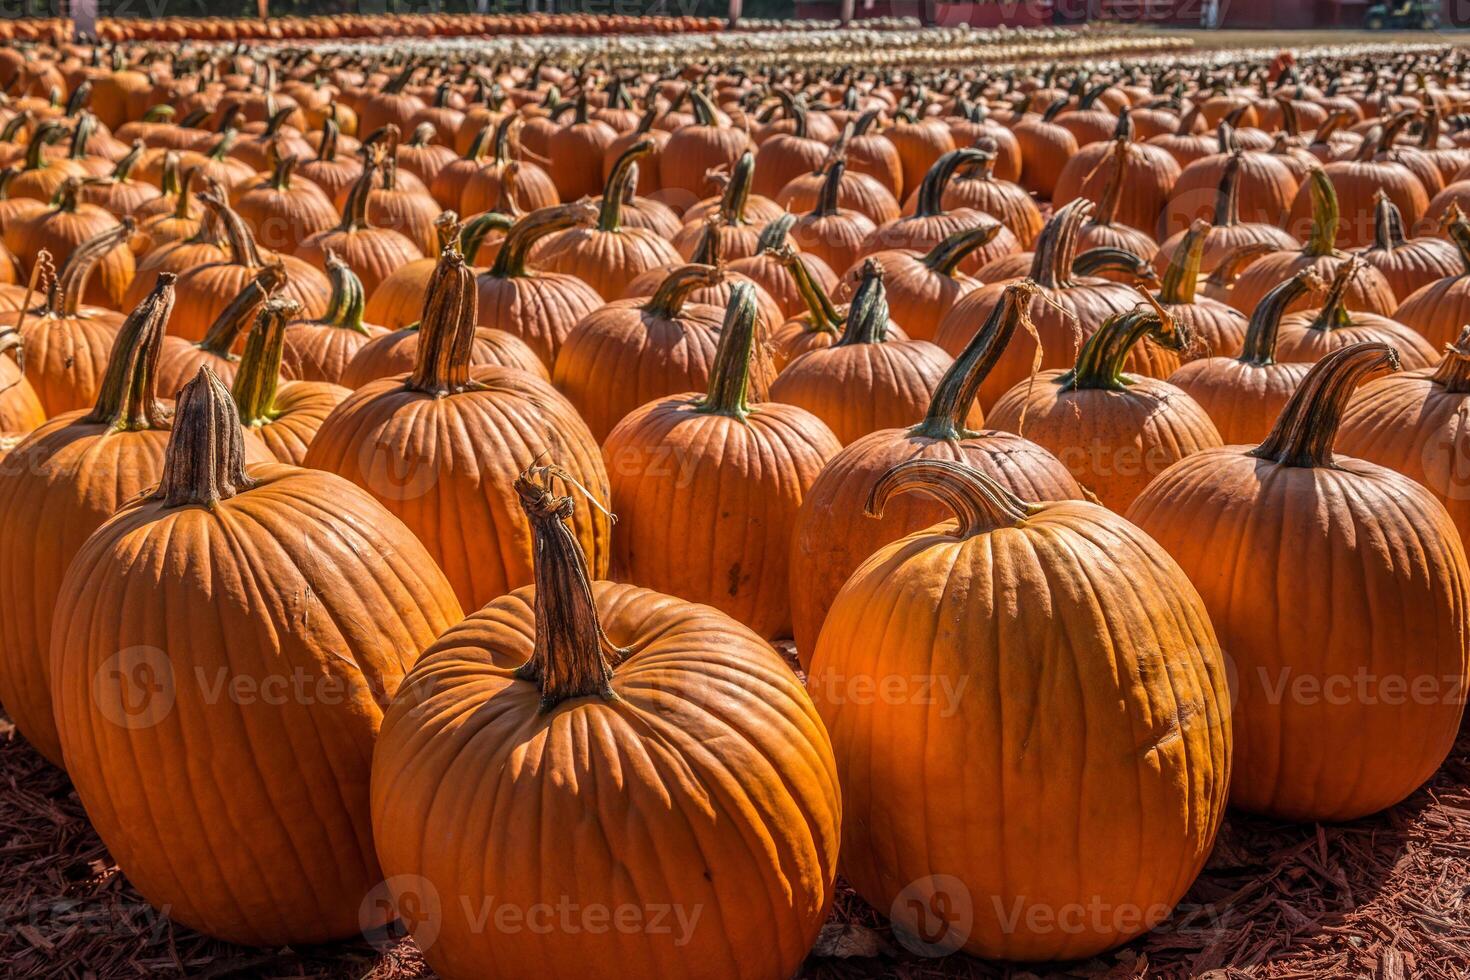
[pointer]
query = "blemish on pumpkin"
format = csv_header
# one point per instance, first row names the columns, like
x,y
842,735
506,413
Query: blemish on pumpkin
x,y
735,578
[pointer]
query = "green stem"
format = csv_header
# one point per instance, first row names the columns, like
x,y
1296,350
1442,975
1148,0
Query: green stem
x,y
1181,277
1333,312
737,190
729,382
829,192
127,399
1259,348
259,374
1100,362
1325,215
668,300
237,234
1307,426
610,215
233,320
345,308
42,136
510,262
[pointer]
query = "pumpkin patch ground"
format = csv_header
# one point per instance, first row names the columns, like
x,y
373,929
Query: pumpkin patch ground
x,y
609,496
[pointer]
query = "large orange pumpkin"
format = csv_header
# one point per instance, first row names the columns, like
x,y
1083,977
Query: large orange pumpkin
x,y
1290,545
590,708
1102,655
230,608
439,447
679,455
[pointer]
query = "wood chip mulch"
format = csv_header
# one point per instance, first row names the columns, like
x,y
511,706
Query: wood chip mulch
x,y
1385,898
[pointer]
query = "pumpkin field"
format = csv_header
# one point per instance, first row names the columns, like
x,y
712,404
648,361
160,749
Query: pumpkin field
x,y
608,496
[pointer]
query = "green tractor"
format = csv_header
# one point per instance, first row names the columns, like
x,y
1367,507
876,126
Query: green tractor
x,y
1412,15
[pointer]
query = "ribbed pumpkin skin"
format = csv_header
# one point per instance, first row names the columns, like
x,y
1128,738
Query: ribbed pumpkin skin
x,y
314,352
1316,575
20,406
1367,292
205,290
1416,427
444,467
66,357
605,260
540,308
833,536
69,479
707,503
301,408
1299,342
1438,311
1113,442
641,812
245,817
1242,400
1104,778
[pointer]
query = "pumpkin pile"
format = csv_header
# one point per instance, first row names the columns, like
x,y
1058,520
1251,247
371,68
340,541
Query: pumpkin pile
x,y
414,462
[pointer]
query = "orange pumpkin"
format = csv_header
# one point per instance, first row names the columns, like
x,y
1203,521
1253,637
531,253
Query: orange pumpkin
x,y
604,691
372,252
1438,310
282,558
1323,731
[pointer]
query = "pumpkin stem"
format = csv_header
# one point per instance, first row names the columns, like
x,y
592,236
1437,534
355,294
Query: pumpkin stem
x,y
931,191
280,178
354,209
185,190
729,382
668,300
1325,215
829,192
978,503
1096,261
1458,230
347,303
446,328
1227,194
946,255
1388,224
867,314
1259,348
737,190
572,656
476,151
704,110
510,262
822,316
610,217
127,399
233,320
123,170
500,144
237,234
69,286
1333,312
205,459
1056,246
961,383
1112,193
254,390
773,236
1305,430
1181,276
326,151
1453,371
1100,362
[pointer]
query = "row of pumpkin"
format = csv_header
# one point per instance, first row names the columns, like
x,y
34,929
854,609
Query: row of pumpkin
x,y
388,418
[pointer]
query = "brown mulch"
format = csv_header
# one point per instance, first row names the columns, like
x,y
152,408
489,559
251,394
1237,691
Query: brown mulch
x,y
1386,898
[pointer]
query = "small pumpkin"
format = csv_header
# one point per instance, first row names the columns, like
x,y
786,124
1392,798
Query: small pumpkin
x,y
285,416
321,349
1310,334
282,209
1406,263
1437,310
767,269
1215,327
373,252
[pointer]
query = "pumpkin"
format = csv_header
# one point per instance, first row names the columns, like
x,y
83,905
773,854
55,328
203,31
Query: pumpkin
x,y
1214,327
551,686
1308,335
606,255
1367,290
710,143
981,190
283,559
976,127
400,202
179,360
1114,431
42,176
1265,187
207,286
540,308
172,217
1437,311
399,297
838,236
1045,149
856,191
767,269
65,226
70,475
830,540
929,223
276,139
717,293
994,607
1412,423
119,193
328,170
1357,182
1065,305
785,156
21,411
321,349
865,380
423,157
438,446
760,459
1102,230
1088,121
650,179
1227,234
1244,394
283,210
1406,264
920,141
1099,171
372,252
818,325
448,183
287,416
874,154
1389,582
738,235
632,351
533,186
921,287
